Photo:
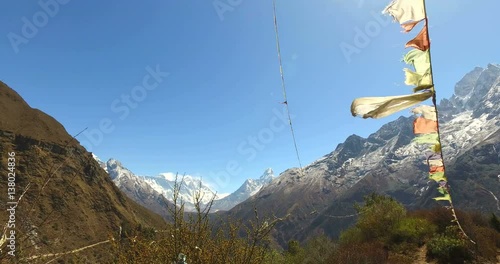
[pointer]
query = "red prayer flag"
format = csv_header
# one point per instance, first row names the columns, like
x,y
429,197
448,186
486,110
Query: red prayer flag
x,y
421,41
407,27
424,126
434,169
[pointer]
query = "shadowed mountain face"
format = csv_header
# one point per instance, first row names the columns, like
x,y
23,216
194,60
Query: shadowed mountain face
x,y
71,202
389,162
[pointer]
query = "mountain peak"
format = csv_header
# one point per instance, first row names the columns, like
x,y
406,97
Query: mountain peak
x,y
492,65
268,175
115,163
463,87
169,176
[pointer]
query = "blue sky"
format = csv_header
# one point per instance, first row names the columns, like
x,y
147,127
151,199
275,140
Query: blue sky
x,y
223,87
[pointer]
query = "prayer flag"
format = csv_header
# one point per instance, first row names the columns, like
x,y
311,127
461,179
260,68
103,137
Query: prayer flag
x,y
406,10
424,126
421,41
427,111
378,107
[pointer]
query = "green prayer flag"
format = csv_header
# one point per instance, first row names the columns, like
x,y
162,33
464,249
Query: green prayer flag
x,y
437,176
442,190
431,138
446,197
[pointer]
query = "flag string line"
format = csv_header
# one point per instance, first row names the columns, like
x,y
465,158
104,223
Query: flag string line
x,y
452,208
283,84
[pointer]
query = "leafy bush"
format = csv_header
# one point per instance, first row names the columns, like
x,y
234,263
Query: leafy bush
x,y
351,235
413,230
294,247
448,247
439,216
378,215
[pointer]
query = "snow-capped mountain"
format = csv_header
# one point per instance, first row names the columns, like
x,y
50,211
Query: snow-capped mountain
x,y
101,163
135,187
138,187
249,188
190,188
388,161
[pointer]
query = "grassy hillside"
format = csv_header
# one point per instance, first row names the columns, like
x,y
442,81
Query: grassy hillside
x,y
69,201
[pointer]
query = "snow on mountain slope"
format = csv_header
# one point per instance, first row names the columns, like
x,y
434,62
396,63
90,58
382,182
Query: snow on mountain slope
x,y
163,184
101,163
190,188
249,188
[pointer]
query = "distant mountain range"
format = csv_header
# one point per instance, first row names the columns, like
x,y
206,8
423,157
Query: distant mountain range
x,y
320,196
143,189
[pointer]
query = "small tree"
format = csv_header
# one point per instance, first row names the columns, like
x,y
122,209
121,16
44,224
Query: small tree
x,y
378,215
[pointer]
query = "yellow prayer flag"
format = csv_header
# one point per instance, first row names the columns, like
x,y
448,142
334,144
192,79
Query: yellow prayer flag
x,y
378,107
419,59
413,78
431,138
406,10
436,148
427,111
435,163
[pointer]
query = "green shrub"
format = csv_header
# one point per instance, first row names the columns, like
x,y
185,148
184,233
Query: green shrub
x,y
379,214
448,247
439,216
412,230
351,235
294,247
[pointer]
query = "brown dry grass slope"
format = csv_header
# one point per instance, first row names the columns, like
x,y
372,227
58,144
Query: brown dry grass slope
x,y
71,202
